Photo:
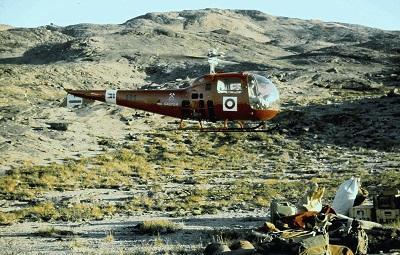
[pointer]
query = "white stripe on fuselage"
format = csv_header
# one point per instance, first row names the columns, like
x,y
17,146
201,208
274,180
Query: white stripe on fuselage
x,y
111,96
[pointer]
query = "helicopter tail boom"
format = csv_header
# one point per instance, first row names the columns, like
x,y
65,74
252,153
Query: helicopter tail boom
x,y
165,102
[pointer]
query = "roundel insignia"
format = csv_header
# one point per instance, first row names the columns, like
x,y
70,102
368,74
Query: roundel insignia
x,y
229,104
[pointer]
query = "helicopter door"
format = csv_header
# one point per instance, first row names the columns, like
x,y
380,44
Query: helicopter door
x,y
199,111
187,111
202,108
229,89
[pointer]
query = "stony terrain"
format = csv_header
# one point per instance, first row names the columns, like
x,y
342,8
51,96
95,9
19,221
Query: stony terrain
x,y
85,188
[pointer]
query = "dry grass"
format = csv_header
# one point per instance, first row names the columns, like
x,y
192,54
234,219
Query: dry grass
x,y
76,244
153,227
109,237
53,232
211,172
7,218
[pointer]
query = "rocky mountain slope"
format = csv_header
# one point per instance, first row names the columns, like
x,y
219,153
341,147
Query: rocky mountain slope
x,y
340,115
312,62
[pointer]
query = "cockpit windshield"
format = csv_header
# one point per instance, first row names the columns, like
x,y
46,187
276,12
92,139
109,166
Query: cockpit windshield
x,y
262,93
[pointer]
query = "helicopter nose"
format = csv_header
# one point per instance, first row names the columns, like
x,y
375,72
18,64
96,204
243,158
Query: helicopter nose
x,y
263,94
271,98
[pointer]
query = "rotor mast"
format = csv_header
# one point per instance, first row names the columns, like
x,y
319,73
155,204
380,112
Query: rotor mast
x,y
213,59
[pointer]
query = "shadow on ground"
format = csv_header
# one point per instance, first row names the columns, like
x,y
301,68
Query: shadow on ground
x,y
372,123
53,52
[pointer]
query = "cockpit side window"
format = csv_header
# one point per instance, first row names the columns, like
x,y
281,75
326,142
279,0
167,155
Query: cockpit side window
x,y
229,85
253,89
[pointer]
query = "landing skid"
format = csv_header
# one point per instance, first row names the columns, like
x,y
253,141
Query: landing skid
x,y
258,128
232,130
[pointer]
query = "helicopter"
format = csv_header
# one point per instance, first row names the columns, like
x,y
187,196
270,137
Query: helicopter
x,y
234,96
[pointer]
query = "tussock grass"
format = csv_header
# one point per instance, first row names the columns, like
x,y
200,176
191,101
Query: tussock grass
x,y
111,171
158,227
47,212
7,218
214,171
80,211
77,243
53,232
139,203
109,237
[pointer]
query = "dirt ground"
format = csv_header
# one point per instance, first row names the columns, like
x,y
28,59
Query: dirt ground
x,y
93,237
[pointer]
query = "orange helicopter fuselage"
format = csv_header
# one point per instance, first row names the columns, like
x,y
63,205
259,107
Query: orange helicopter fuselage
x,y
212,97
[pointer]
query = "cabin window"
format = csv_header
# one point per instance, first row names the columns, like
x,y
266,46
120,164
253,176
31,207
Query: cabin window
x,y
229,85
201,95
195,96
208,86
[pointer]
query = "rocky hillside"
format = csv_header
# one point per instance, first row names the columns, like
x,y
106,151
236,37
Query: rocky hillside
x,y
340,117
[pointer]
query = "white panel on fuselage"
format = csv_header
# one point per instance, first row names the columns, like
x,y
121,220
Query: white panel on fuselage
x,y
229,104
111,96
73,101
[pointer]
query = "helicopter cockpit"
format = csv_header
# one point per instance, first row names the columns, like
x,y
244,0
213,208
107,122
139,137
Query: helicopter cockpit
x,y
263,94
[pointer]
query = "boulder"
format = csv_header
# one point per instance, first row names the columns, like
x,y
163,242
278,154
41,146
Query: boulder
x,y
59,126
332,70
216,248
394,93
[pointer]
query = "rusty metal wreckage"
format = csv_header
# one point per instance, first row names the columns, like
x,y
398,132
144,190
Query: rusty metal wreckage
x,y
238,96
